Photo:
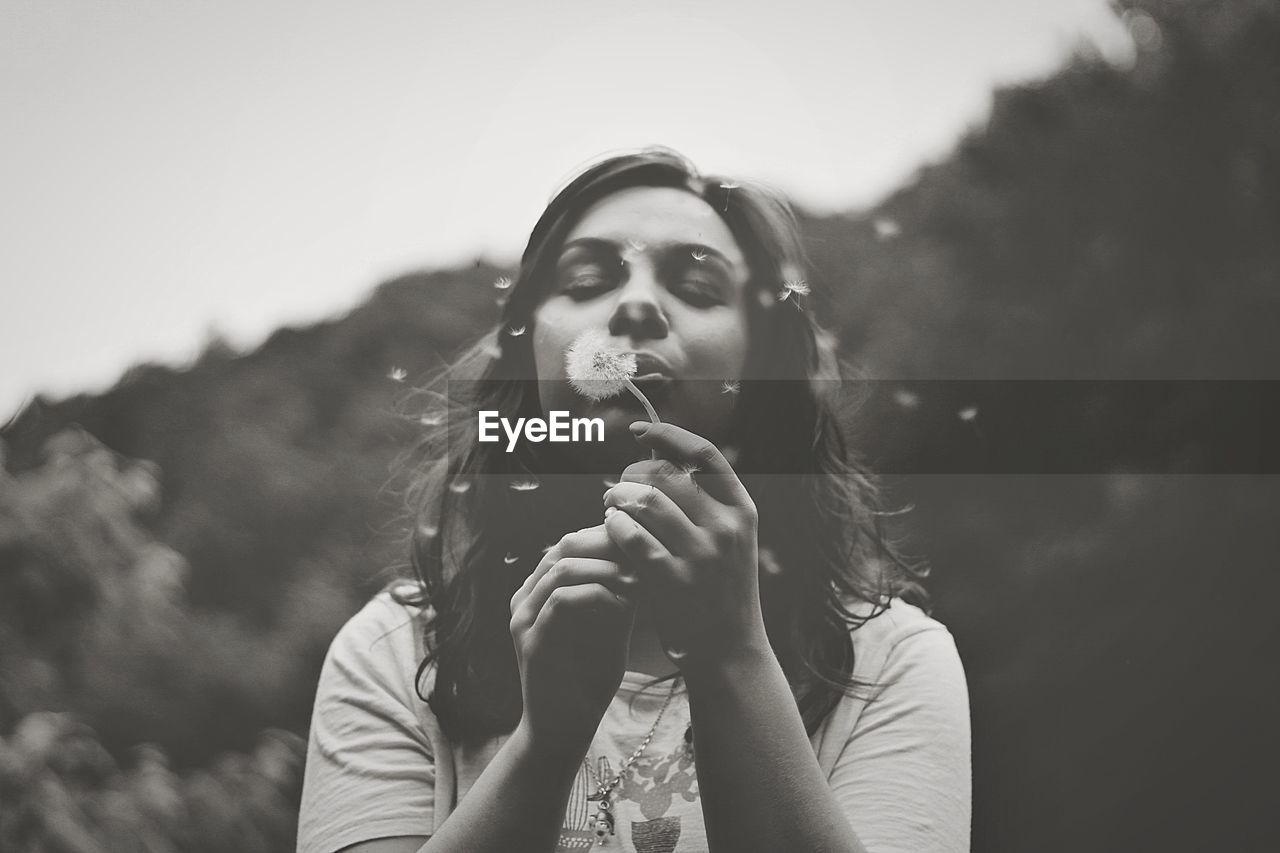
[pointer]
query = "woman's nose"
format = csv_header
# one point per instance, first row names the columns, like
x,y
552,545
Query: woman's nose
x,y
638,311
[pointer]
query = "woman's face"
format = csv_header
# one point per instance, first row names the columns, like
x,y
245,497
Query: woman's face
x,y
659,273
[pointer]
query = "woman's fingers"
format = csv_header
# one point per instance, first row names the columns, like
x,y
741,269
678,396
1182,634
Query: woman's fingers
x,y
642,549
569,572
589,542
657,512
688,450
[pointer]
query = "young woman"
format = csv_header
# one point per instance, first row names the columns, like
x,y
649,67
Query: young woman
x,y
718,650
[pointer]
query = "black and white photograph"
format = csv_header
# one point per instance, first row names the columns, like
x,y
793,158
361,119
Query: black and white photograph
x,y
667,427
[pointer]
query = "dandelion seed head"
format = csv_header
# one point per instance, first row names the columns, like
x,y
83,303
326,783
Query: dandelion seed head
x,y
596,369
796,285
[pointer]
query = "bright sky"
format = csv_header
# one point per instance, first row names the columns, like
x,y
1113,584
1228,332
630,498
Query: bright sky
x,y
172,167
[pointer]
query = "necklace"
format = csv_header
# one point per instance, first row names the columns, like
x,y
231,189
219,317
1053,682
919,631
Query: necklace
x,y
603,820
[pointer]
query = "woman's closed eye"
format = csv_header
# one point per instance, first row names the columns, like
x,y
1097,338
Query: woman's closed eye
x,y
585,282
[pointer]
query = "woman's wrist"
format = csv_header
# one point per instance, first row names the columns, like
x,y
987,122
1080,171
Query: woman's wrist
x,y
557,752
728,661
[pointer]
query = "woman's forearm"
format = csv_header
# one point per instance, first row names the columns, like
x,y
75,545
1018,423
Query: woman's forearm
x,y
517,803
760,783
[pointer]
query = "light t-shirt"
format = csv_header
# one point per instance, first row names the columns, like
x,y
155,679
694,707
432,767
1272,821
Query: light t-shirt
x,y
378,764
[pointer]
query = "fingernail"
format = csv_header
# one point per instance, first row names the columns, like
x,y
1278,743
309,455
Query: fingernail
x,y
639,427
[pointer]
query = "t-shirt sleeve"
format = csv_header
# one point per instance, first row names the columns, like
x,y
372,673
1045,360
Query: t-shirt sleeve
x,y
904,777
370,771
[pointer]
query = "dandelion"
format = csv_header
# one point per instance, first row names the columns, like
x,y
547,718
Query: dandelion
x,y
502,282
397,374
731,386
524,485
459,487
967,414
597,371
510,558
886,228
516,331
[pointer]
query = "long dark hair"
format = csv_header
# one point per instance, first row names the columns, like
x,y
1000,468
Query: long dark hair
x,y
481,518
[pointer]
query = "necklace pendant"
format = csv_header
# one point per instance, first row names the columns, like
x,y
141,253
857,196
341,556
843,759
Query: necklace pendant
x,y
602,823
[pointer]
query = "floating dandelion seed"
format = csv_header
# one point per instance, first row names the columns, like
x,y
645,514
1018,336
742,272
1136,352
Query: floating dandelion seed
x,y
608,483
502,282
428,530
886,228
690,469
728,187
516,331
459,487
769,562
797,286
906,399
699,255
397,374
967,414
510,558
548,547
730,386
433,419
524,485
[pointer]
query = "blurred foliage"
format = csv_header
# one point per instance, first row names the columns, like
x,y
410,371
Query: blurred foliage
x,y
1117,220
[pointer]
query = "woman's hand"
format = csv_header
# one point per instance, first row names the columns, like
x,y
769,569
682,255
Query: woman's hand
x,y
571,623
687,525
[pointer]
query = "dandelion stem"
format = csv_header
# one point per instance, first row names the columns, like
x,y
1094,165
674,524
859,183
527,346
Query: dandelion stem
x,y
648,407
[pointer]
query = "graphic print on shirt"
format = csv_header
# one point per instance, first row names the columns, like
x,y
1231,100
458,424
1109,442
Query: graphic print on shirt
x,y
651,785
